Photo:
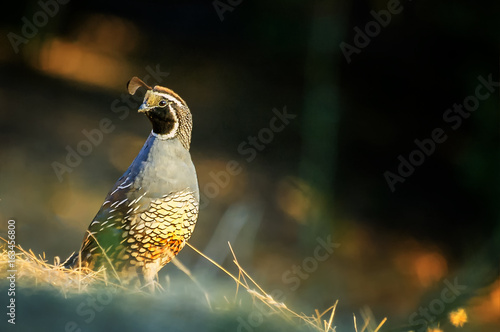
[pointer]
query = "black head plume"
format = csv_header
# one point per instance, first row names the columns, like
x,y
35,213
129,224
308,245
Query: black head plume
x,y
135,83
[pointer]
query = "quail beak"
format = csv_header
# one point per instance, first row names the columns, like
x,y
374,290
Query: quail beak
x,y
144,108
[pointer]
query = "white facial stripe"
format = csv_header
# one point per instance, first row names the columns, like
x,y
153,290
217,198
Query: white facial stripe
x,y
171,98
160,136
167,136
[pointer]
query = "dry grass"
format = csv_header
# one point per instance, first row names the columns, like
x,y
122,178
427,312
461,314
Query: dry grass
x,y
34,271
319,321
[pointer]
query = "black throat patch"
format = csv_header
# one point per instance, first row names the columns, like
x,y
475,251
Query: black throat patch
x,y
162,119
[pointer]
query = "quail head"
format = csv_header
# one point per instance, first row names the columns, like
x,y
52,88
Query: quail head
x,y
151,211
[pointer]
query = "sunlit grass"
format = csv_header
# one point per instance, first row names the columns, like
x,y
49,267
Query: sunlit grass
x,y
34,271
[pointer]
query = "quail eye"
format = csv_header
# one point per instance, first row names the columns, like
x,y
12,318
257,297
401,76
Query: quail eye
x,y
162,103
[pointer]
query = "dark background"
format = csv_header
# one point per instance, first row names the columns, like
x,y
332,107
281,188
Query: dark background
x,y
322,175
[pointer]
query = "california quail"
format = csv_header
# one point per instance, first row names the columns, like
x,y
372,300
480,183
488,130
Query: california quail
x,y
152,209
